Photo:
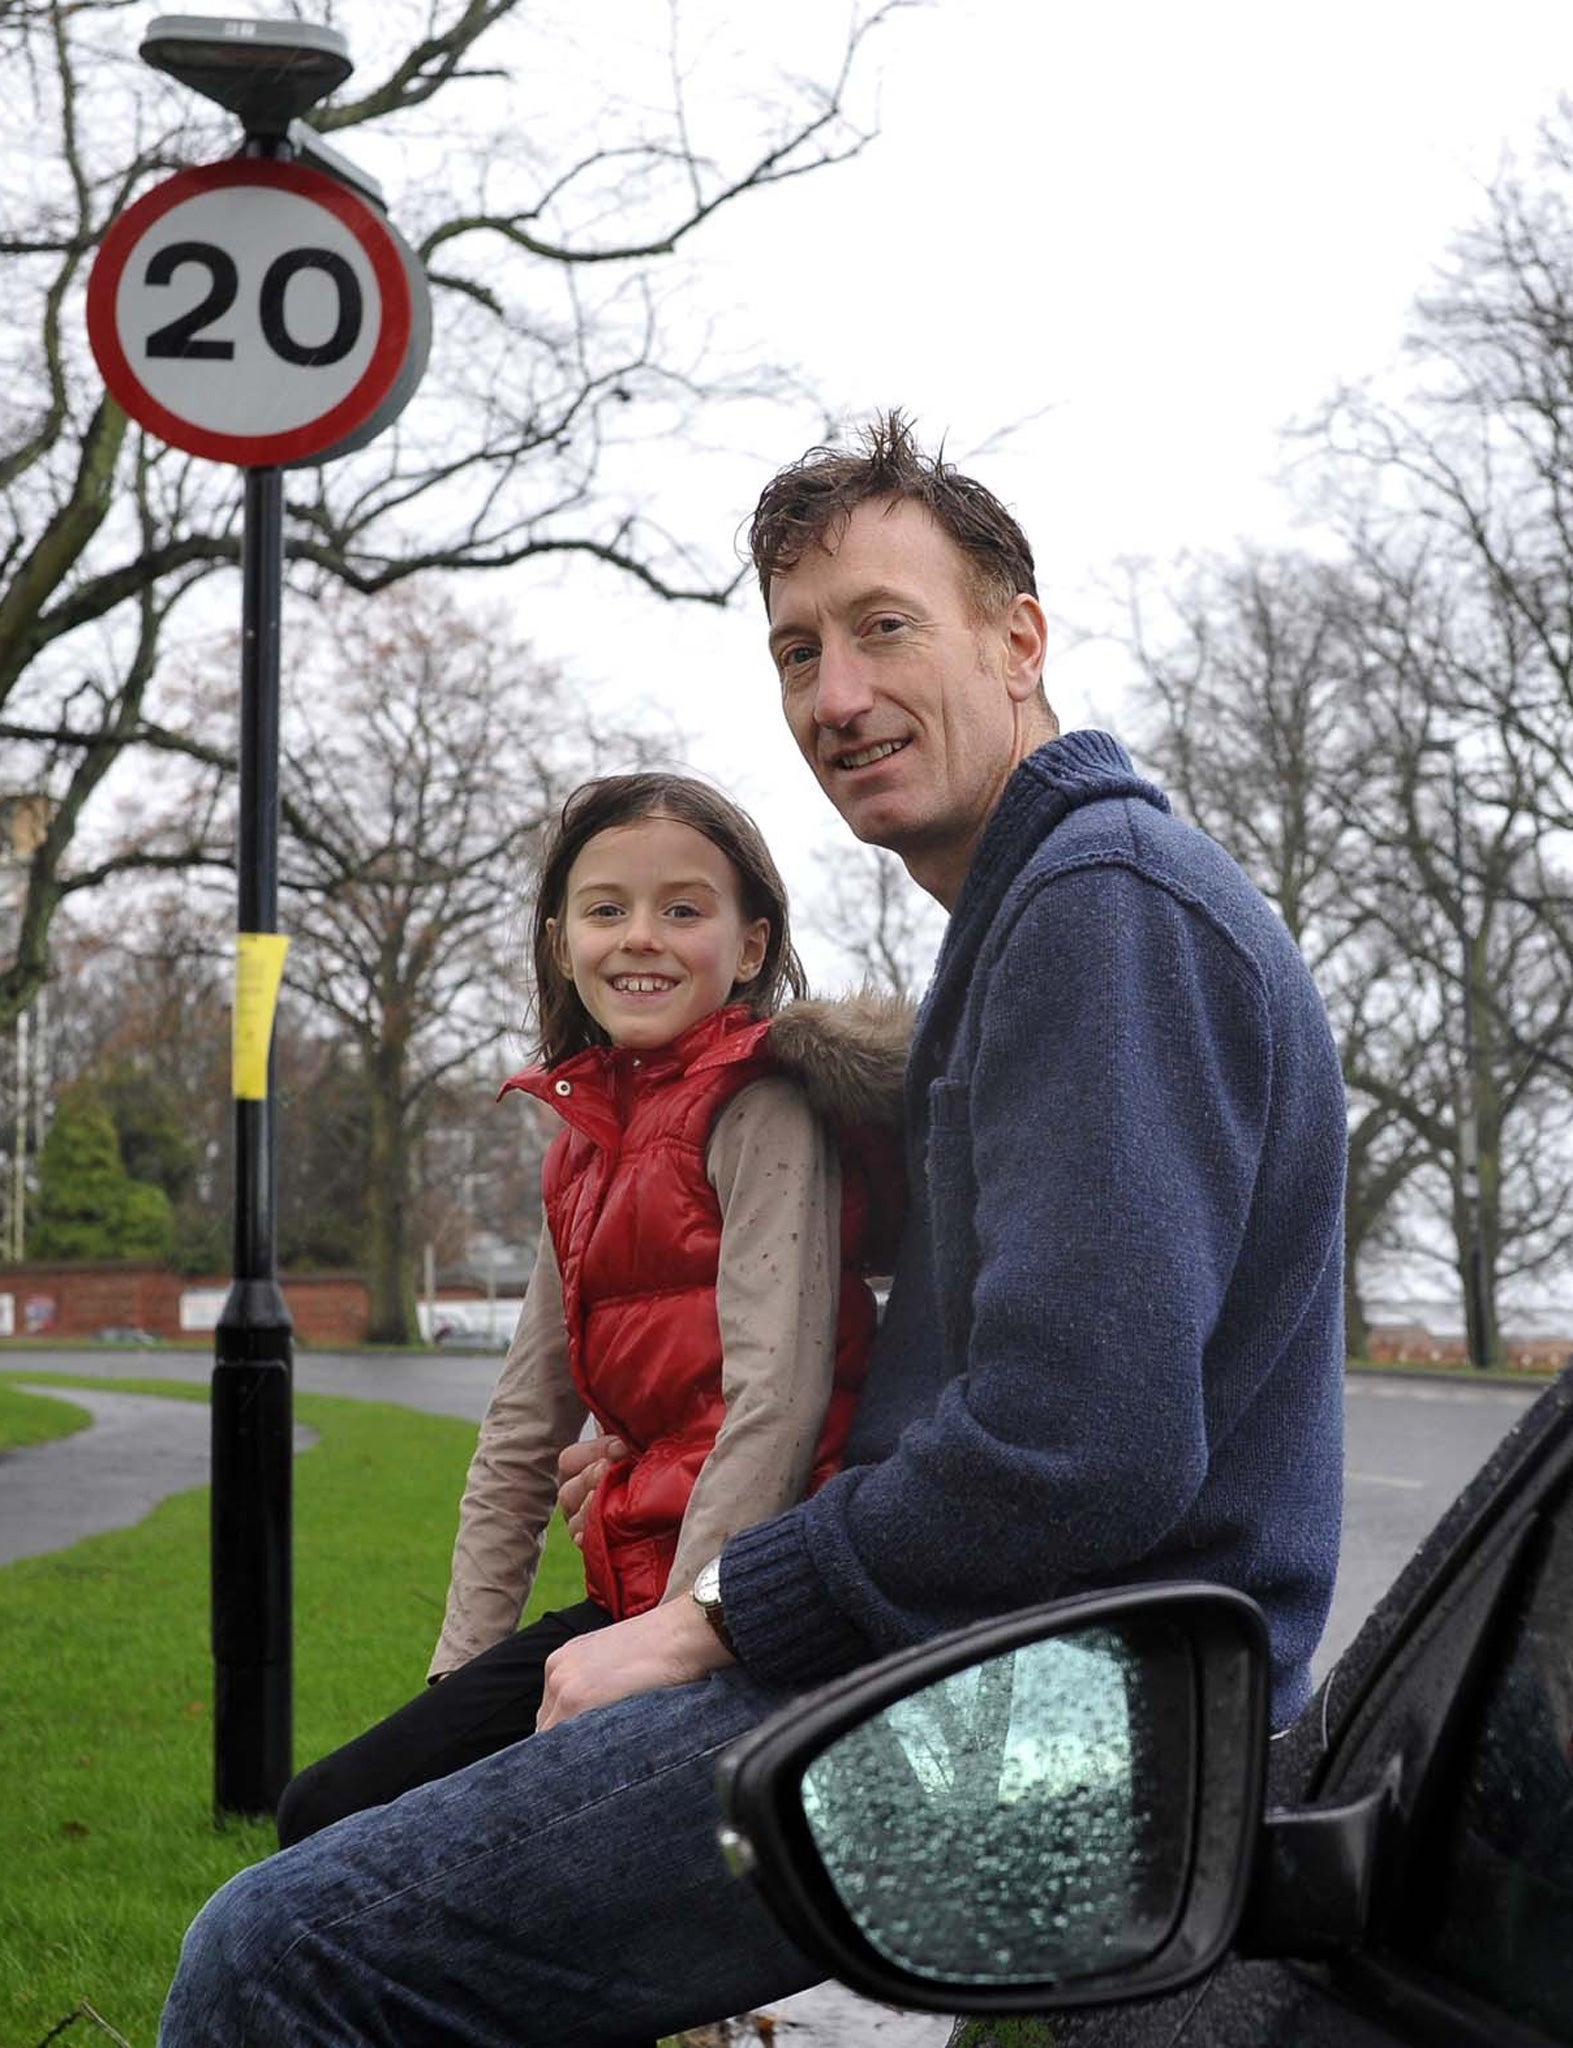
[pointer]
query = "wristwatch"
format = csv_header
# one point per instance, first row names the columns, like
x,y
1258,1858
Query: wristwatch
x,y
707,1596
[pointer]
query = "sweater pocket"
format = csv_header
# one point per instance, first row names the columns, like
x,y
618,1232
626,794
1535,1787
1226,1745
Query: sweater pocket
x,y
950,1106
953,1196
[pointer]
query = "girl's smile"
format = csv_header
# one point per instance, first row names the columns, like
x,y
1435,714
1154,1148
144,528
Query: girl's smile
x,y
652,933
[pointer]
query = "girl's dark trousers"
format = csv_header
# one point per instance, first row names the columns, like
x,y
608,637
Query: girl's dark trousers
x,y
484,1706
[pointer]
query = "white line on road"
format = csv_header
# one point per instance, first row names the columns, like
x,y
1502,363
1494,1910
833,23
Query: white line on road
x,y
1385,1479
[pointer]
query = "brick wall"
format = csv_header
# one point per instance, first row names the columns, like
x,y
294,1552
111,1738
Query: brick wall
x,y
66,1299
1413,1344
328,1309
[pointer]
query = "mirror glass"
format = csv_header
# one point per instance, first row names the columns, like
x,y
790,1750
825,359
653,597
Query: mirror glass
x,y
1025,1820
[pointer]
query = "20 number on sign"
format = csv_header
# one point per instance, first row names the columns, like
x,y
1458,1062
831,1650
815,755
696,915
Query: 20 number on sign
x,y
255,311
182,337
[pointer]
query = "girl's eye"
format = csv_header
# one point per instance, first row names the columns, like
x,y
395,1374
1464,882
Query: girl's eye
x,y
603,911
684,910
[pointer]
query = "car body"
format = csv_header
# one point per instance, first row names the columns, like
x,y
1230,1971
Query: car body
x,y
1397,1868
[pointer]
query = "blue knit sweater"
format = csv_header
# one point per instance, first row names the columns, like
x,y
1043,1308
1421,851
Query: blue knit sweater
x,y
1114,1347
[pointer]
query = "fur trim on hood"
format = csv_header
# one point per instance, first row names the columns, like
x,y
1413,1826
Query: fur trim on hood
x,y
850,1053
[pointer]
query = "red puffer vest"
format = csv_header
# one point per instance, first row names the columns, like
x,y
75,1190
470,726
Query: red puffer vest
x,y
637,1230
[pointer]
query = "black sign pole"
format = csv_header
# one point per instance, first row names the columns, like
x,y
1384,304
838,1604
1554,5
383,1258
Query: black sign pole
x,y
253,1427
252,1373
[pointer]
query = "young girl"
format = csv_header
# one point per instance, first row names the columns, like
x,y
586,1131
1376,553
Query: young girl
x,y
726,1179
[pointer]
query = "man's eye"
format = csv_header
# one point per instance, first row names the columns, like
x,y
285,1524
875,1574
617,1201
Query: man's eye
x,y
797,657
885,626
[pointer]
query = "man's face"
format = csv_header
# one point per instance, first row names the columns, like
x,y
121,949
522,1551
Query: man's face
x,y
911,710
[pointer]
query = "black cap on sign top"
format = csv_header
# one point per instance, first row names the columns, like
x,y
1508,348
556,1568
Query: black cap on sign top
x,y
265,72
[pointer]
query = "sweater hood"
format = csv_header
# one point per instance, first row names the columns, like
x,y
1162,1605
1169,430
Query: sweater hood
x,y
850,1053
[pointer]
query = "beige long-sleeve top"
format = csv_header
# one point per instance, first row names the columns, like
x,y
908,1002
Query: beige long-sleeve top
x,y
777,1176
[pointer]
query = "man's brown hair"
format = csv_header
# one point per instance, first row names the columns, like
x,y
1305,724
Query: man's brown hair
x,y
811,499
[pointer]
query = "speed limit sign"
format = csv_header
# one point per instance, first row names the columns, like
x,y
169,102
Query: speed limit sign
x,y
257,312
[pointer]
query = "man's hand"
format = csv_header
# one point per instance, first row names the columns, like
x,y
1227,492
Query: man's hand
x,y
670,1645
580,1470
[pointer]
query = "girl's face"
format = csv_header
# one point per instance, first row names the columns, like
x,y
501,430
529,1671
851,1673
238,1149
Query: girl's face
x,y
652,932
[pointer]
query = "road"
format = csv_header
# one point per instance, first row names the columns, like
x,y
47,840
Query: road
x,y
1410,1446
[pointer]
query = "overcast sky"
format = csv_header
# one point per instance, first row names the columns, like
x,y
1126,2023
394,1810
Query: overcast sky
x,y
1153,235
1107,253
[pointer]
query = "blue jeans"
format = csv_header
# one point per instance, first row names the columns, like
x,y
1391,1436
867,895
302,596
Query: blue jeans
x,y
566,1891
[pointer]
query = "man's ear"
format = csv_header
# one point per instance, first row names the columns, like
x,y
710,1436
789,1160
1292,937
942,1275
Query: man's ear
x,y
751,953
1026,637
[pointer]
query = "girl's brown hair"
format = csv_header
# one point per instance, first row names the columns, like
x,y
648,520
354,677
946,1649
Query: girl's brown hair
x,y
564,1026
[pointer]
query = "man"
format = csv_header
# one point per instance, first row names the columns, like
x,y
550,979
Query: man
x,y
1112,1350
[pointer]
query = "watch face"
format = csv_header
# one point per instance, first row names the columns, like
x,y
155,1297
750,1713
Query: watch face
x,y
707,1586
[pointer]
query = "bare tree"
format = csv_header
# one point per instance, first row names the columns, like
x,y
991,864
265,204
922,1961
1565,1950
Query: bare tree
x,y
555,359
424,756
1250,708
479,1171
1464,889
1474,447
148,1023
1303,714
877,918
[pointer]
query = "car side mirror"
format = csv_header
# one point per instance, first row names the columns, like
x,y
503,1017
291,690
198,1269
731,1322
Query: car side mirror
x,y
1047,1810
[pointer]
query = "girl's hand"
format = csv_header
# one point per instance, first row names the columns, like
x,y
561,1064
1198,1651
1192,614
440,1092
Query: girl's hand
x,y
580,1470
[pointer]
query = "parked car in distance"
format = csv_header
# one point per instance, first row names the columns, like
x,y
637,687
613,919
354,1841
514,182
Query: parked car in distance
x,y
456,1337
1076,1810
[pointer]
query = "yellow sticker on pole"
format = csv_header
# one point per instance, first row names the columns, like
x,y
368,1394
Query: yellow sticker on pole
x,y
259,968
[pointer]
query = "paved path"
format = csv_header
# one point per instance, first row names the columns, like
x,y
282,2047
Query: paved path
x,y
139,1450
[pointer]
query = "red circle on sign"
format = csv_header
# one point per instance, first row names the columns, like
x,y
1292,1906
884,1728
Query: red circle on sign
x,y
252,451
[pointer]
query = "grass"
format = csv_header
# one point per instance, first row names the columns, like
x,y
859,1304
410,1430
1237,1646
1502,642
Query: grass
x,y
35,1419
107,1842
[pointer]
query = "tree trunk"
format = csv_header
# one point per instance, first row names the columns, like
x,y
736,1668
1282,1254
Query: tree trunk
x,y
1477,1211
1374,1183
1477,1239
1357,1331
390,1263
1360,1219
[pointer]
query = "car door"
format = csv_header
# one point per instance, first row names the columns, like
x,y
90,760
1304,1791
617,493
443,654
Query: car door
x,y
1457,1698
